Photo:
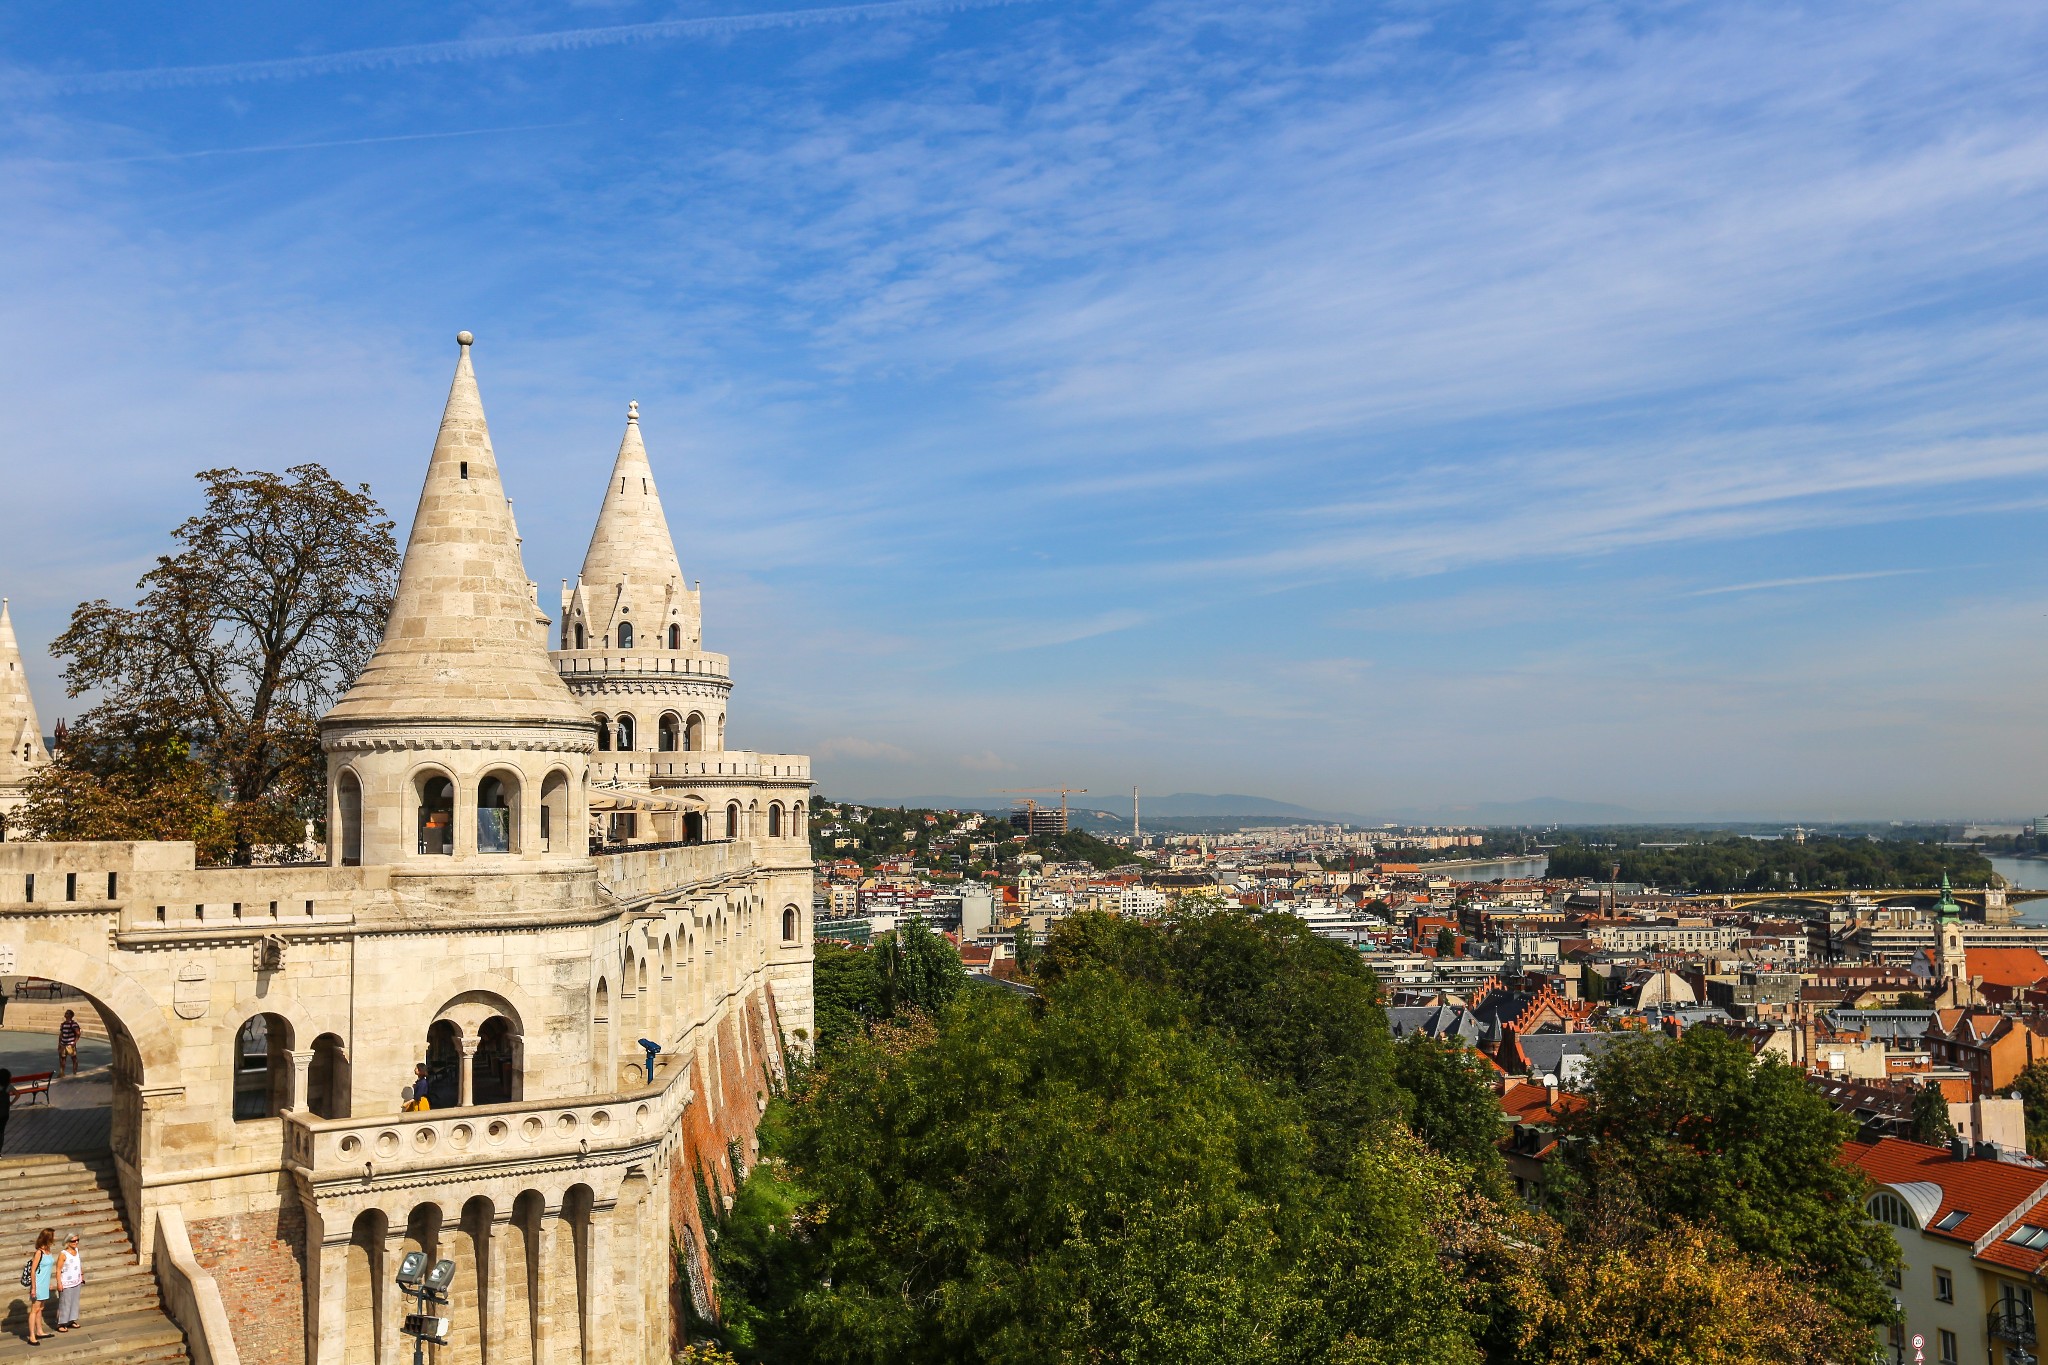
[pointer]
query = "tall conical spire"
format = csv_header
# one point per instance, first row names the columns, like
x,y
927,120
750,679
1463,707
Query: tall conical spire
x,y
461,642
630,572
21,735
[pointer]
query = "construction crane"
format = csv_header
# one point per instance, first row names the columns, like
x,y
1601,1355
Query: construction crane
x,y
1029,805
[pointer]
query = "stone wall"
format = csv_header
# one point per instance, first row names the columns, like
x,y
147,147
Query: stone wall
x,y
258,1260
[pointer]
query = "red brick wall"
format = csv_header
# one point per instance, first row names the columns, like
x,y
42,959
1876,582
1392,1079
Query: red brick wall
x,y
705,1141
258,1260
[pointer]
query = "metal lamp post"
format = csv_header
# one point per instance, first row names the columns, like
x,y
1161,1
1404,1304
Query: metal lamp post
x,y
426,1286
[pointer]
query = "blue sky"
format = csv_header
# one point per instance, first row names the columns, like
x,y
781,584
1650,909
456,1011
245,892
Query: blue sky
x,y
1384,408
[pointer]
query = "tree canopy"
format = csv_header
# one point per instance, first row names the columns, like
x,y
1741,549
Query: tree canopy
x,y
1699,1131
1732,863
1086,1178
210,687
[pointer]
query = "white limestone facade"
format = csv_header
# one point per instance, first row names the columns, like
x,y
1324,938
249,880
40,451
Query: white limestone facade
x,y
480,912
22,751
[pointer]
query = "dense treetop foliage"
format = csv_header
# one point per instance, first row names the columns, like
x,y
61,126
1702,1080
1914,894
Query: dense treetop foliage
x,y
943,841
1196,1141
1730,863
1701,1131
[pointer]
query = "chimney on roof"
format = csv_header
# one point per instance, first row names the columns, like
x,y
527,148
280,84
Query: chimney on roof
x,y
1959,1149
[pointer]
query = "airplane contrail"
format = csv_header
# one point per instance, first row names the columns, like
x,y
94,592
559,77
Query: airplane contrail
x,y
479,49
306,146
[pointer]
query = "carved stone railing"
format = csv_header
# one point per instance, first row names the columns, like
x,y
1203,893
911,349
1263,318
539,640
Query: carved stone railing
x,y
366,1150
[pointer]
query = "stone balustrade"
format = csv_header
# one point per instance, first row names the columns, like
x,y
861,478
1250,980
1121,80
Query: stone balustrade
x,y
390,1146
664,663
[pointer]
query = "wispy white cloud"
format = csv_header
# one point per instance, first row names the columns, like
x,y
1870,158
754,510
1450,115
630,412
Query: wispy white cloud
x,y
487,48
1804,581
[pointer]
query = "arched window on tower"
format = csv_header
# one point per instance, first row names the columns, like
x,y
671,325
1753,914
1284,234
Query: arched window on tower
x,y
790,921
348,812
625,635
604,733
675,637
693,733
497,824
579,635
670,732
775,819
437,814
263,1067
732,821
554,809
625,735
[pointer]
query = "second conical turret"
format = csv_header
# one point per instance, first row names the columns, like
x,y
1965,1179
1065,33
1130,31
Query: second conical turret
x,y
631,594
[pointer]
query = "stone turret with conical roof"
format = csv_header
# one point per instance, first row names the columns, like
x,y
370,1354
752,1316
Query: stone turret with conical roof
x,y
458,739
631,593
631,639
21,735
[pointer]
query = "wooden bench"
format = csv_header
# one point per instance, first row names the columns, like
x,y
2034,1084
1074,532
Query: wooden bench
x,y
29,1086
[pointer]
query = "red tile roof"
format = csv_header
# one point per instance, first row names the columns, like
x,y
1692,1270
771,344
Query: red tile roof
x,y
1992,1194
2006,966
1526,1103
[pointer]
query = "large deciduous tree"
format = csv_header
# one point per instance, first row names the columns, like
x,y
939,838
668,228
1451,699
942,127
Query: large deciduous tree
x,y
209,688
1699,1130
1083,1177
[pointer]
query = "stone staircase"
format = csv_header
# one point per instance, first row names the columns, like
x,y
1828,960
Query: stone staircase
x,y
120,1319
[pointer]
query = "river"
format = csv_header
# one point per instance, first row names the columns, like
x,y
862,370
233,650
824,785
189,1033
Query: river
x,y
1500,869
2027,874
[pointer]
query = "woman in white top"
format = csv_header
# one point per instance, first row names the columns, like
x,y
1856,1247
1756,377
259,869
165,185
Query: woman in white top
x,y
70,1275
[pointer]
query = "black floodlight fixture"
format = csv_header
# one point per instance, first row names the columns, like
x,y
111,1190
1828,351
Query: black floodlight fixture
x,y
440,1276
426,1328
411,1268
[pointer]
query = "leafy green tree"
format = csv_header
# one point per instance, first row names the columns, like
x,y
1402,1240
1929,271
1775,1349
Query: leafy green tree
x,y
1930,1121
1446,943
1304,1013
1084,1178
2032,1085
846,990
1027,949
1450,1101
241,640
917,968
1700,1130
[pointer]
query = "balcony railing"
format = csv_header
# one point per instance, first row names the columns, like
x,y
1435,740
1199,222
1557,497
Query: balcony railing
x,y
2011,1322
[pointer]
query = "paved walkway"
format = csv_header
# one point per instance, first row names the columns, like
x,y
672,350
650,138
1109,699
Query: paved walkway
x,y
78,1118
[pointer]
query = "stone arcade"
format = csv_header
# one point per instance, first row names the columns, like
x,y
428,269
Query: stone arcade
x,y
535,860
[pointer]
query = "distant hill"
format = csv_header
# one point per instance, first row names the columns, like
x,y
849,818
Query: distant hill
x,y
1538,810
1166,807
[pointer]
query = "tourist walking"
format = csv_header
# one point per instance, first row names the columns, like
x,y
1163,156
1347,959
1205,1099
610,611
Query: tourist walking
x,y
67,1042
41,1269
70,1279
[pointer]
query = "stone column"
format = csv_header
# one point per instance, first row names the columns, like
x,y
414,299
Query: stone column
x,y
554,1332
490,1244
468,1046
600,1289
392,1302
327,1296
302,1070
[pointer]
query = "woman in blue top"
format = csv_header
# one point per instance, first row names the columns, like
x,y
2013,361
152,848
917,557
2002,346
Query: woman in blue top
x,y
45,1266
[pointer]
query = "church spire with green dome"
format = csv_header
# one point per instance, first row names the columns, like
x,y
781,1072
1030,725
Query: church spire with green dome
x,y
1947,907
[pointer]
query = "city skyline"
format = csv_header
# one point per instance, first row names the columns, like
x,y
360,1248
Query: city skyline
x,y
1378,410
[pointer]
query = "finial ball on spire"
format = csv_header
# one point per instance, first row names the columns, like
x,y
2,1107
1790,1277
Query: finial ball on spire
x,y
633,410
463,338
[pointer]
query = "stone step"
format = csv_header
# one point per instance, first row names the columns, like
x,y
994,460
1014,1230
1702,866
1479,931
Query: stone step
x,y
136,1337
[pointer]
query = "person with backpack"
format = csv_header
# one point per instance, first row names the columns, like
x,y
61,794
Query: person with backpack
x,y
36,1277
